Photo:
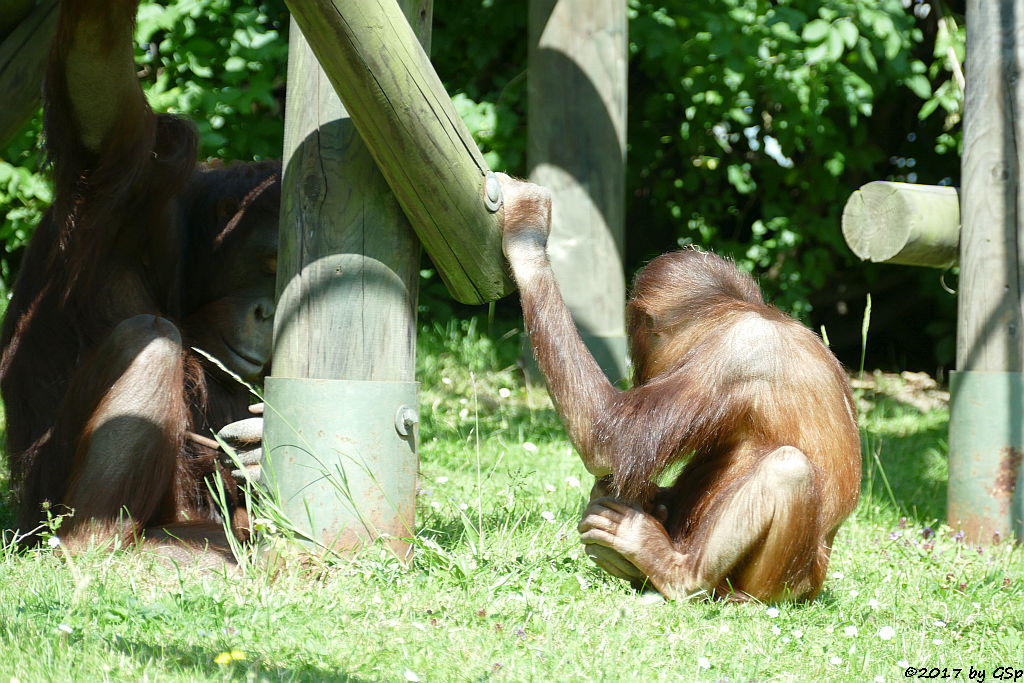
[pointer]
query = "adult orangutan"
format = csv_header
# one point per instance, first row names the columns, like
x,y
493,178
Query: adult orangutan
x,y
142,256
755,404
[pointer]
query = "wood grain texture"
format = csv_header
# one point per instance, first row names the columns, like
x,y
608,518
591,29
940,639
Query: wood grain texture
x,y
422,147
577,149
989,309
348,264
902,223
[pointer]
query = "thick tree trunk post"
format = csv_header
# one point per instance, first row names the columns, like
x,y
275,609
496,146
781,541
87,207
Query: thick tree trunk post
x,y
22,65
577,149
342,402
987,416
912,225
422,147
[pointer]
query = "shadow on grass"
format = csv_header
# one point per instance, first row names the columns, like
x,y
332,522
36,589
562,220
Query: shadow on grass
x,y
201,661
905,458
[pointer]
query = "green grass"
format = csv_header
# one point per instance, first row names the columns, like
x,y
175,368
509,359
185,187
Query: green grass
x,y
499,588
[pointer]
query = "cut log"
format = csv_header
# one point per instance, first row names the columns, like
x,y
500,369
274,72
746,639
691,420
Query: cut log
x,y
913,225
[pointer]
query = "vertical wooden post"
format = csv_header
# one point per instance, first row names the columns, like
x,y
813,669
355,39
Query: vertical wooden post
x,y
577,149
987,416
342,401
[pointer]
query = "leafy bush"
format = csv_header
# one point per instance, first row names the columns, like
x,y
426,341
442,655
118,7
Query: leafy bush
x,y
223,64
24,195
750,133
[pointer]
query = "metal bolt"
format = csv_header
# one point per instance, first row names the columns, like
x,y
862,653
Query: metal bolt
x,y
492,192
406,420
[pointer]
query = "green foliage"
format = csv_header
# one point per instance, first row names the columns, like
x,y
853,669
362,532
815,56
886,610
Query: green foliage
x,y
24,195
950,41
756,121
223,65
479,51
489,124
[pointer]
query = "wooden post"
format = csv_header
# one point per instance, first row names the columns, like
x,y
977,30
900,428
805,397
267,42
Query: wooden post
x,y
348,268
342,402
22,66
407,120
987,413
577,149
913,225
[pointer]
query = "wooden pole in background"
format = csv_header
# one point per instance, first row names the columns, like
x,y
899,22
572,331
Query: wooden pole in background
x,y
577,149
986,480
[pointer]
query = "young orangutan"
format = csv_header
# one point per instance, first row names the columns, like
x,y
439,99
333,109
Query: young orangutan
x,y
751,400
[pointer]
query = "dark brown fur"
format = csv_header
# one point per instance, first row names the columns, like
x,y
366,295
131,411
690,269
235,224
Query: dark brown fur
x,y
134,230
